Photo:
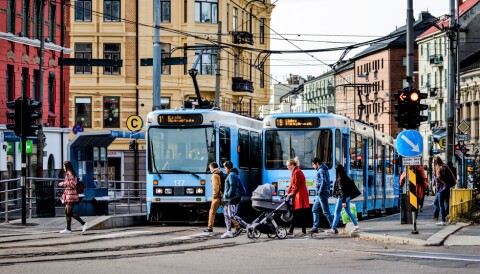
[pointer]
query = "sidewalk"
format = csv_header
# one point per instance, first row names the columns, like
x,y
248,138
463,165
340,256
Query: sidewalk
x,y
389,229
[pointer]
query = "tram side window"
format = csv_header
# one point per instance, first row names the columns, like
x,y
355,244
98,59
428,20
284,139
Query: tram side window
x,y
255,150
225,154
379,158
371,154
389,160
338,146
243,153
353,151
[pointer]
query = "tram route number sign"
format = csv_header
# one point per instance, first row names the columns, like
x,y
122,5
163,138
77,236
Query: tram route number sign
x,y
411,161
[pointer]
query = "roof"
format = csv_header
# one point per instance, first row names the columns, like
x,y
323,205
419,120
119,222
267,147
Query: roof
x,y
445,22
101,138
399,36
294,91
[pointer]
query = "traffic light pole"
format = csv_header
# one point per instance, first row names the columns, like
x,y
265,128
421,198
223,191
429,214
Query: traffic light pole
x,y
450,113
23,179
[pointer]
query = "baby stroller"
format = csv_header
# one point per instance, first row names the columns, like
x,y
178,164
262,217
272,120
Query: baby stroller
x,y
265,223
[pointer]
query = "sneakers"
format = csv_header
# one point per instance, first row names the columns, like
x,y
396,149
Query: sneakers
x,y
435,218
441,223
207,230
238,231
356,228
84,227
330,232
65,231
313,230
227,234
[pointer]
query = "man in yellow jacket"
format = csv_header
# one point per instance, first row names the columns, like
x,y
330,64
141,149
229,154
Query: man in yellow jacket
x,y
216,195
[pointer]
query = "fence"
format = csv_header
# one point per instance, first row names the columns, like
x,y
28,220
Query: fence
x,y
124,197
461,202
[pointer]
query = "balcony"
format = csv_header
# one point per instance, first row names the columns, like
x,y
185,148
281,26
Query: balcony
x,y
242,37
239,84
436,60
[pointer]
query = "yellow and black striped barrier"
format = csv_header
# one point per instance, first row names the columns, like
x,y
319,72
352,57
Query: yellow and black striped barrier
x,y
412,178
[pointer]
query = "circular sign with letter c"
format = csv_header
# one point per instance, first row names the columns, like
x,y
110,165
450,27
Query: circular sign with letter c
x,y
134,123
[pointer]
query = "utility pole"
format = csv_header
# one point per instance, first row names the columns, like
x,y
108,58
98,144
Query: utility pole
x,y
410,42
40,140
450,113
157,57
217,78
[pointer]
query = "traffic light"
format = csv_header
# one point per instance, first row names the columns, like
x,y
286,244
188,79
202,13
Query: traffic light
x,y
15,114
32,115
458,147
408,108
465,151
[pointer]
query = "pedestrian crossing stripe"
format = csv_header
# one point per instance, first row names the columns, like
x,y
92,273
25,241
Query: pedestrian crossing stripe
x,y
412,178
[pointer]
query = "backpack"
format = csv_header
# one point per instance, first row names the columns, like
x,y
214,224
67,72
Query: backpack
x,y
223,177
80,187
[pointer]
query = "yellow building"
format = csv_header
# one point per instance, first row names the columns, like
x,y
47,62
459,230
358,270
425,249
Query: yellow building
x,y
102,98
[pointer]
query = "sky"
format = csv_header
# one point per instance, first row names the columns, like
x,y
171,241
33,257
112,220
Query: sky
x,y
321,24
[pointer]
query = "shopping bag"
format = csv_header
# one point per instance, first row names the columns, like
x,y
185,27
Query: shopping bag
x,y
345,217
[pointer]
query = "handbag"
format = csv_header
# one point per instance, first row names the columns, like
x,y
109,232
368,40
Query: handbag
x,y
345,217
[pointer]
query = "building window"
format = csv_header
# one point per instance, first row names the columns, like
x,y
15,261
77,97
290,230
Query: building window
x,y
111,11
111,111
165,54
25,18
36,85
206,11
185,11
83,111
208,62
165,103
165,10
83,51
24,81
83,10
262,30
52,24
111,51
36,19
235,19
51,92
10,86
11,15
262,75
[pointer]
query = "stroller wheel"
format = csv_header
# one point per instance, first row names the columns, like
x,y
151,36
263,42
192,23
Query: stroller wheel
x,y
256,234
281,232
271,236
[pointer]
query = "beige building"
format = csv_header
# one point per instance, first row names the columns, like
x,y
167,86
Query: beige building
x,y
102,98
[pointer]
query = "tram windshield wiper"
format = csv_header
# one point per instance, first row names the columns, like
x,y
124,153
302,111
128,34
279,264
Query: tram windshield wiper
x,y
181,171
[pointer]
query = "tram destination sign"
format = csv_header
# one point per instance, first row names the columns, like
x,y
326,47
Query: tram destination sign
x,y
180,119
308,122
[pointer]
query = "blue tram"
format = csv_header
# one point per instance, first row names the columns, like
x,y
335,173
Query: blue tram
x,y
181,144
367,155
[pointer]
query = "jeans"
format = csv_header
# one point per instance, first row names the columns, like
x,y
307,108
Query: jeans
x,y
338,210
441,203
321,201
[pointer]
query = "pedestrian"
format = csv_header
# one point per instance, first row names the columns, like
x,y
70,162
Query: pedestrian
x,y
297,191
231,199
445,179
344,190
217,175
322,184
70,197
421,183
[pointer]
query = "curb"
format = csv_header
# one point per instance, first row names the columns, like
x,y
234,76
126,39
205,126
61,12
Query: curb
x,y
106,222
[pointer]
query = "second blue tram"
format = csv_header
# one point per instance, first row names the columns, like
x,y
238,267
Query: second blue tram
x,y
367,155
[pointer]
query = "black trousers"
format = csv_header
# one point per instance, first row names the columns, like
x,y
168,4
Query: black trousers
x,y
299,217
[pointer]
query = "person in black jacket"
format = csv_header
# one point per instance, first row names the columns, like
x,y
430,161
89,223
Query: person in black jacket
x,y
345,190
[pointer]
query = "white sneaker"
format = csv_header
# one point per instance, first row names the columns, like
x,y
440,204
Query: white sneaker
x,y
441,223
330,232
65,231
227,234
84,227
356,228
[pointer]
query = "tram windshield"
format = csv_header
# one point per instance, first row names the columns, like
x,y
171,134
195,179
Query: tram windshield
x,y
180,150
282,145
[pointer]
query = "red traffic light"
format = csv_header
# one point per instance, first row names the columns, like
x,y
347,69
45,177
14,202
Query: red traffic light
x,y
457,147
414,96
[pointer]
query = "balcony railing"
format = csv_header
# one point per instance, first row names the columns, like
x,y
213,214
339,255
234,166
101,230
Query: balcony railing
x,y
436,60
239,84
242,37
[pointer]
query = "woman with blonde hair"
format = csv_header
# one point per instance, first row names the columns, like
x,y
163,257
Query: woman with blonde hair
x,y
299,193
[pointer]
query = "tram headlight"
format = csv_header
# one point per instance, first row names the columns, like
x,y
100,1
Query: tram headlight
x,y
199,190
168,191
158,191
189,191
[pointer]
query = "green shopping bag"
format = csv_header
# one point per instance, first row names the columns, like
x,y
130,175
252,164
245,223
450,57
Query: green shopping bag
x,y
345,217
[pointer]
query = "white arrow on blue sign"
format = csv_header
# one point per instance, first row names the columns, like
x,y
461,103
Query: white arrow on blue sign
x,y
409,143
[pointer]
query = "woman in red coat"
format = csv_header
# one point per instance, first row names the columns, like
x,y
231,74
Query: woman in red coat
x,y
70,197
299,193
